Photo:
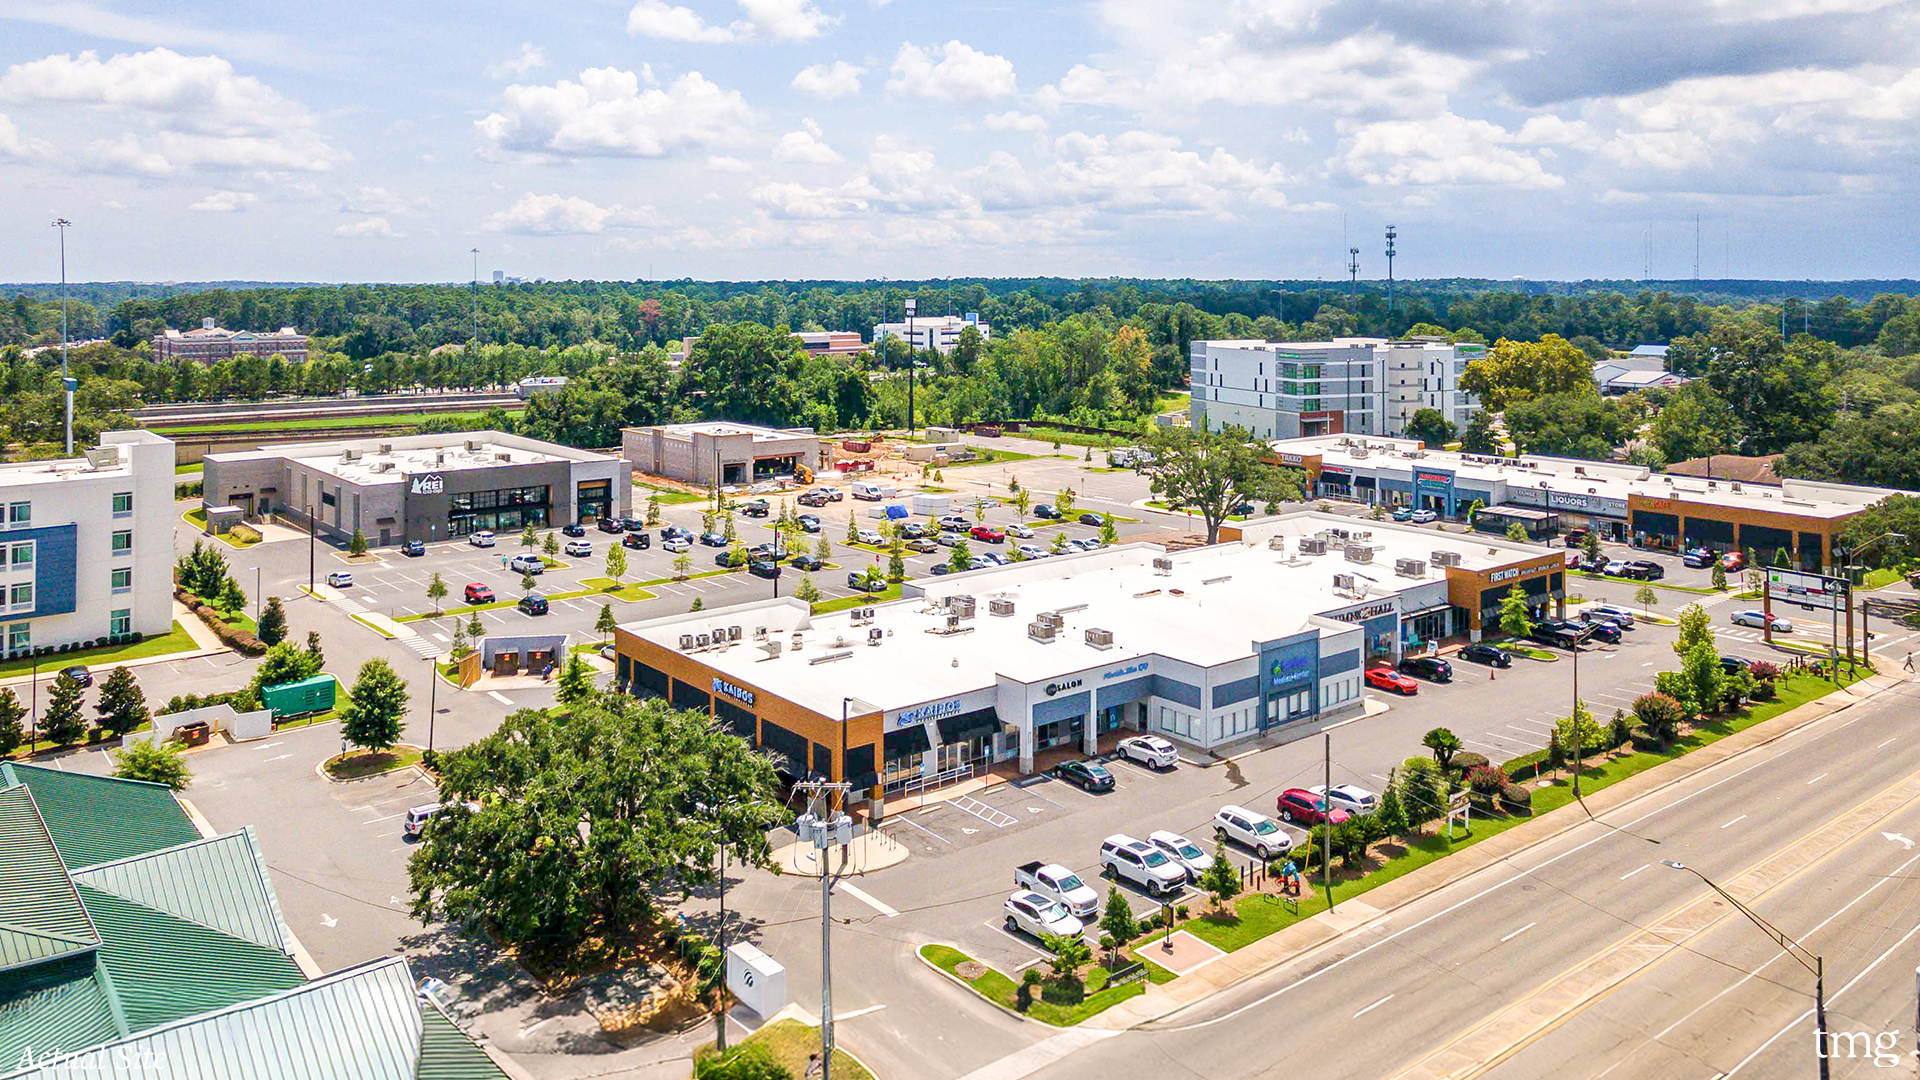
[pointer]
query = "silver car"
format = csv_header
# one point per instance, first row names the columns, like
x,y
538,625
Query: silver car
x,y
1031,913
1182,851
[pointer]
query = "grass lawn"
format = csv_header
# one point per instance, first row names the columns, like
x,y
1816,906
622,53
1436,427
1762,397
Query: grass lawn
x,y
321,423
1171,401
606,586
197,518
668,496
181,470
986,455
788,1043
1881,578
355,764
891,592
1044,433
463,609
1054,1004
175,640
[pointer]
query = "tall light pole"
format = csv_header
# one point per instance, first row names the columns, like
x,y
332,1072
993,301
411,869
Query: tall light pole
x,y
1792,948
66,379
476,298
1392,234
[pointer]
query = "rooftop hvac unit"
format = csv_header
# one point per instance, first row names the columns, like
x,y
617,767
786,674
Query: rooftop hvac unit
x,y
867,613
1000,606
1446,558
1338,533
733,633
1040,631
1050,618
1360,553
1343,582
963,606
953,621
686,642
772,647
473,444
103,457
382,466
1313,545
502,456
702,641
1098,638
1276,543
386,448
874,634
759,633
349,455
1162,564
1410,567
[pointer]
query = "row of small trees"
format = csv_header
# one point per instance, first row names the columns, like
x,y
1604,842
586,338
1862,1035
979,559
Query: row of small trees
x,y
121,710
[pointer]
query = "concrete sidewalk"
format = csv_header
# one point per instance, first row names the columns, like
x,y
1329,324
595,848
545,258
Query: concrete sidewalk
x,y
1326,927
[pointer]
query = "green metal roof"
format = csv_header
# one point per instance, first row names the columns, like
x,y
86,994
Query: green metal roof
x,y
162,968
62,1003
40,915
220,883
96,819
446,1052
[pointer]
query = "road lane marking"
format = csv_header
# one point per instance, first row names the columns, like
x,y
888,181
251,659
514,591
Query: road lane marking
x,y
1884,744
499,697
1518,932
1817,779
1630,873
280,742
858,894
281,757
1737,820
839,1016
1372,1007
1797,1021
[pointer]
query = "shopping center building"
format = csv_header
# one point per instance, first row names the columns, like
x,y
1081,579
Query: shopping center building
x,y
1626,503
1208,646
697,453
421,487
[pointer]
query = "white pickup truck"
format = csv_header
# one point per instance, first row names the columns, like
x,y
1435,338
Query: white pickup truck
x,y
1056,882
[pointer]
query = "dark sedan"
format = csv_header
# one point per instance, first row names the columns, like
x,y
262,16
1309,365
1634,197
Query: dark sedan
x,y
608,525
1481,653
805,562
573,529
765,568
1089,775
1045,510
1091,518
413,549
1430,668
713,539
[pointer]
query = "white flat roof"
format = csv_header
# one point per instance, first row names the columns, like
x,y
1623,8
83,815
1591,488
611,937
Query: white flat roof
x,y
1211,608
723,428
1604,479
444,452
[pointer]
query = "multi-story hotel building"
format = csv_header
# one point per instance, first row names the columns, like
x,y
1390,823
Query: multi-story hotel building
x,y
1290,389
210,343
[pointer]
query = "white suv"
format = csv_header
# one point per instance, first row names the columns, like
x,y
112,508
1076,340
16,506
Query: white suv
x,y
1183,851
1257,831
1031,913
1348,797
1139,862
1150,750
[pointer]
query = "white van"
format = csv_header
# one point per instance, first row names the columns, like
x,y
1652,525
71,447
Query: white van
x,y
419,816
868,492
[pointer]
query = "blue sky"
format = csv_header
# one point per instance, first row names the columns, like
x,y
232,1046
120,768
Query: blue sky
x,y
358,141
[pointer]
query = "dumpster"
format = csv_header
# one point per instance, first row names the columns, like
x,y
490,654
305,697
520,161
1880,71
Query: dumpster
x,y
300,698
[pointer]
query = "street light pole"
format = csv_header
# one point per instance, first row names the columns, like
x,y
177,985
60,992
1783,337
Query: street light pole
x,y
1792,948
66,380
311,538
433,697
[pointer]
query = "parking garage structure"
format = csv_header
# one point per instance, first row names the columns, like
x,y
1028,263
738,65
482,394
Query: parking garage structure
x,y
1006,668
1622,502
421,487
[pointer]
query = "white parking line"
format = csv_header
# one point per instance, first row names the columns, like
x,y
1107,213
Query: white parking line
x,y
1630,873
1735,821
858,894
1518,932
499,697
1372,1007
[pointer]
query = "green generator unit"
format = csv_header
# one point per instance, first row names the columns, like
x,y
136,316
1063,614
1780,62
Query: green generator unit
x,y
300,698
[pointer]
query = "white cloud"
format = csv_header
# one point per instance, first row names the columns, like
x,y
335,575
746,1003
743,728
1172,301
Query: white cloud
x,y
962,73
554,215
805,146
226,202
530,59
1550,130
722,163
607,114
91,20
765,20
14,144
376,226
1447,149
837,80
1015,121
199,113
378,200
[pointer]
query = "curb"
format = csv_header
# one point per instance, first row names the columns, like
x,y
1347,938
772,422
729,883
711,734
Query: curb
x,y
968,987
320,770
1565,824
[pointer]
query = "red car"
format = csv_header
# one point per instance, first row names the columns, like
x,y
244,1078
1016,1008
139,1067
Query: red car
x,y
1733,562
1383,678
988,533
1303,807
479,594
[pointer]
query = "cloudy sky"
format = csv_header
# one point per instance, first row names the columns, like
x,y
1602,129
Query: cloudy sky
x,y
380,141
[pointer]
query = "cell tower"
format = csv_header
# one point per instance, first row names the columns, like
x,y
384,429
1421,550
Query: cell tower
x,y
1353,273
1391,235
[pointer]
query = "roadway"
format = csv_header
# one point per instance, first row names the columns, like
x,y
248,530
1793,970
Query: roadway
x,y
1377,1001
210,412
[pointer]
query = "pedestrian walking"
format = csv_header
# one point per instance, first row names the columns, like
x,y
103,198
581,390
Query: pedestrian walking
x,y
1909,664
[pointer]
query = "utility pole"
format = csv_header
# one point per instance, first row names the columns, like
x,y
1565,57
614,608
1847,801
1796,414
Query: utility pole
x,y
1326,821
433,697
310,552
826,829
66,379
911,305
476,298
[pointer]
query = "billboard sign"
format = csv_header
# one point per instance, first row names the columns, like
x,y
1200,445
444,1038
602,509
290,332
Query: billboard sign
x,y
1808,590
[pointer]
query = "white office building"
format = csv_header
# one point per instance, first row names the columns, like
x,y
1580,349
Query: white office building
x,y
1291,389
941,332
86,547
